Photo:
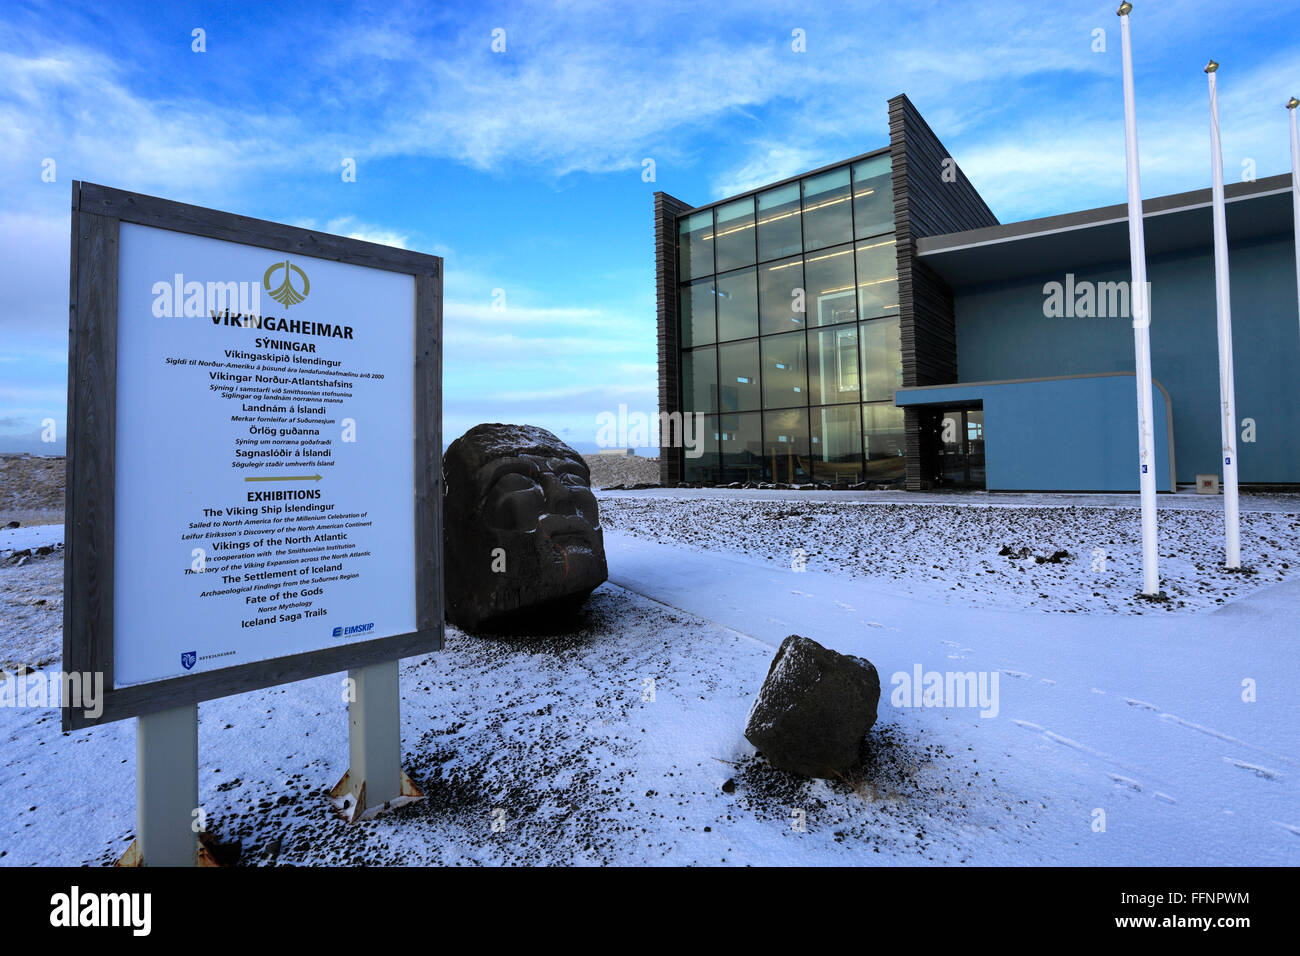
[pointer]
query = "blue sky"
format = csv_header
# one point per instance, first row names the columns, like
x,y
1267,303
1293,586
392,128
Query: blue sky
x,y
524,168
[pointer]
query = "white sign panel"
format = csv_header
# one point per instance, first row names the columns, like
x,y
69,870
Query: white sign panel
x,y
264,457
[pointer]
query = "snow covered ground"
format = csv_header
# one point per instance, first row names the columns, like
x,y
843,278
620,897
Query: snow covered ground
x,y
31,596
953,547
621,742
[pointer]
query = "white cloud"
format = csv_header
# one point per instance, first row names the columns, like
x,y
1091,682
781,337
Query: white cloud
x,y
768,162
350,227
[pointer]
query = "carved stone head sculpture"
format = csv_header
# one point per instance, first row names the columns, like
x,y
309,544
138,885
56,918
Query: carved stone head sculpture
x,y
522,543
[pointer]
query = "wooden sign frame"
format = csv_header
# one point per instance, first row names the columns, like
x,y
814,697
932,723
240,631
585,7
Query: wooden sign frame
x,y
89,574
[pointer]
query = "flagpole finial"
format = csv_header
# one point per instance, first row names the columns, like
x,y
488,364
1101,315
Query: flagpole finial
x,y
1292,103
1124,9
1211,67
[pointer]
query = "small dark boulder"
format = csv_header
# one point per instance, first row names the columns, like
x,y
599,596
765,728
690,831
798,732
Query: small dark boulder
x,y
814,709
522,539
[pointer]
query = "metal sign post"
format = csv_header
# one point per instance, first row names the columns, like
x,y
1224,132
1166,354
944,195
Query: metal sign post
x,y
1223,309
1141,325
375,780
167,789
1295,186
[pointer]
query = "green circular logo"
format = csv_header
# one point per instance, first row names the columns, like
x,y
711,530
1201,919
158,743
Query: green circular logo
x,y
285,293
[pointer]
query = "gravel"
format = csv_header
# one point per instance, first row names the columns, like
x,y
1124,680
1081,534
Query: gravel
x,y
610,470
1062,558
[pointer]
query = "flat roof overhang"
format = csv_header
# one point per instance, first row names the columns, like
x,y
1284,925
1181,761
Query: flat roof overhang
x,y
1098,237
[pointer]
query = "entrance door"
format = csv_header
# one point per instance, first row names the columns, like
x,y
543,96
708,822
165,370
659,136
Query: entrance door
x,y
961,447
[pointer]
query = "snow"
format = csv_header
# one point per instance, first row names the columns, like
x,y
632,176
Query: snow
x,y
29,537
947,547
1140,716
31,599
621,742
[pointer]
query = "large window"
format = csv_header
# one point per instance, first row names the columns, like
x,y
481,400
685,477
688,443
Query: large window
x,y
883,441
779,232
742,446
873,197
700,380
781,296
697,313
695,246
737,306
785,370
829,278
785,445
734,235
833,377
827,216
790,330
704,467
877,278
738,376
837,444
882,360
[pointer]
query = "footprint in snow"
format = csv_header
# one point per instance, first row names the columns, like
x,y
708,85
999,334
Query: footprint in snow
x,y
1257,770
1057,738
1125,782
1140,703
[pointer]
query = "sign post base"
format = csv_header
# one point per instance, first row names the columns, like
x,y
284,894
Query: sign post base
x,y
375,781
166,790
204,857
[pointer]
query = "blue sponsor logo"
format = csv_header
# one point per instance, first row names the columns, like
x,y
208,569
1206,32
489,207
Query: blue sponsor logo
x,y
353,629
189,659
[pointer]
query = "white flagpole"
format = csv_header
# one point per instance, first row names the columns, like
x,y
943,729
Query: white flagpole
x,y
1295,187
1223,299
1141,325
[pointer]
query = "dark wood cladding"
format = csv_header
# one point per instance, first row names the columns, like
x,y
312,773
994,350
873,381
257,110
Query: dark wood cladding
x,y
91,443
198,221
428,454
667,211
926,203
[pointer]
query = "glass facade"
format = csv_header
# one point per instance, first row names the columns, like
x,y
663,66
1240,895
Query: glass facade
x,y
790,334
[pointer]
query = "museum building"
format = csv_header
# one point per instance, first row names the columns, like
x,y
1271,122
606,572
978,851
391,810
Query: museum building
x,y
872,321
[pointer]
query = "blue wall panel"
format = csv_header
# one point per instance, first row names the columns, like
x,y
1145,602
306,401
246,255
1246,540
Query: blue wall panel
x,y
1002,333
1076,434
